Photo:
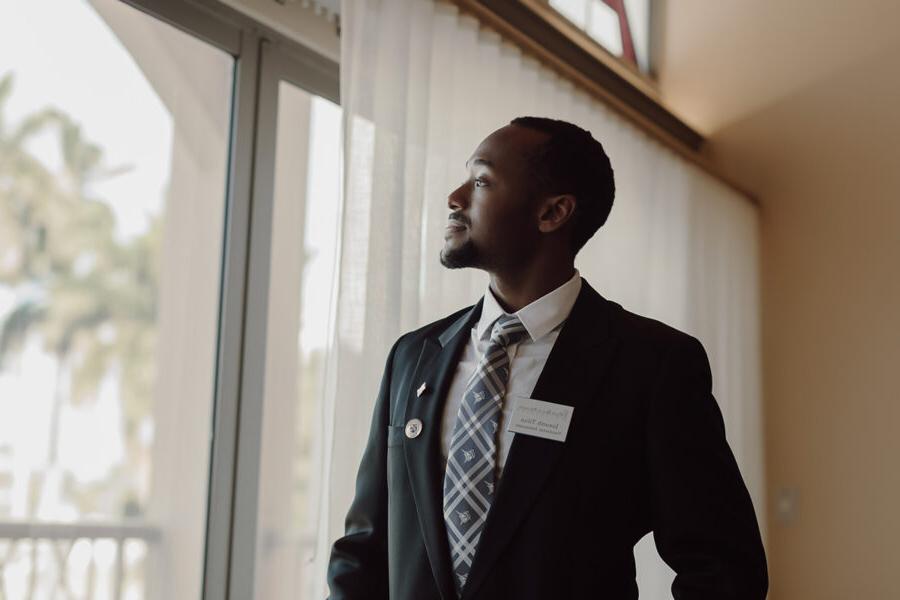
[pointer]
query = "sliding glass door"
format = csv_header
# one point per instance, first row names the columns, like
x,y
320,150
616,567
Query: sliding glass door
x,y
293,258
169,192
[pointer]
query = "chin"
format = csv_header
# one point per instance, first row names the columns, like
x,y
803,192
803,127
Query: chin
x,y
460,257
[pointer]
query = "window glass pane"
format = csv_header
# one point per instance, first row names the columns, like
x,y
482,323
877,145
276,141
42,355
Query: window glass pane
x,y
113,151
303,255
638,12
621,26
603,26
574,10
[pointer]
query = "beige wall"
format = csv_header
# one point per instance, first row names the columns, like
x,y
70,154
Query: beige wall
x,y
801,106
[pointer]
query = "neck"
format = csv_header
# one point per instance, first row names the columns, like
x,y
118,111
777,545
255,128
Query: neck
x,y
519,287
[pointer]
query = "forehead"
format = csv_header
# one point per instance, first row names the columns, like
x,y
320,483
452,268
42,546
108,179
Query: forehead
x,y
508,148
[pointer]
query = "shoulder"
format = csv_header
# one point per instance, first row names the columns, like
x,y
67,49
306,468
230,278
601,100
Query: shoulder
x,y
411,341
634,331
656,352
649,335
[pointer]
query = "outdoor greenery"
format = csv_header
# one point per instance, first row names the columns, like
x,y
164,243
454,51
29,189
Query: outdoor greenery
x,y
90,298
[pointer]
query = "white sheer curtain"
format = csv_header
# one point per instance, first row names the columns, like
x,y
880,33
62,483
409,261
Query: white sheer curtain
x,y
421,86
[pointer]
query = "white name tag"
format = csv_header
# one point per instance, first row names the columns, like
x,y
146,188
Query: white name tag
x,y
542,419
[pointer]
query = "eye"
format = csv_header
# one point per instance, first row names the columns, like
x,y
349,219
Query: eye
x,y
481,181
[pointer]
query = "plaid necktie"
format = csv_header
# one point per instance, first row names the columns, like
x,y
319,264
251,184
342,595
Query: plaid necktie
x,y
471,461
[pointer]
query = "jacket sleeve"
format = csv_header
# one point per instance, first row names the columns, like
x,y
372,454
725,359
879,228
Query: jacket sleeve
x,y
703,521
358,568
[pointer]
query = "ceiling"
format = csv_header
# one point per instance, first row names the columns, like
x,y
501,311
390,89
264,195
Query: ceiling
x,y
720,61
778,86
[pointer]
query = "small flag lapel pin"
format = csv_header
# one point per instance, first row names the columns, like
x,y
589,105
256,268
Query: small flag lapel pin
x,y
421,390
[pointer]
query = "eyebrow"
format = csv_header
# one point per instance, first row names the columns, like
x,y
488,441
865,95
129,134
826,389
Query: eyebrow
x,y
480,161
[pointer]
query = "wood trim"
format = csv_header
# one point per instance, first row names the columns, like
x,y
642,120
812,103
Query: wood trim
x,y
631,73
586,64
560,42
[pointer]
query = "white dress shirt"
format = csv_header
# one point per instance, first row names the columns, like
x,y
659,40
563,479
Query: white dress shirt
x,y
543,319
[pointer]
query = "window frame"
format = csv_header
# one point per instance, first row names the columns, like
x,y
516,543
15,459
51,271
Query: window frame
x,y
262,56
645,80
629,52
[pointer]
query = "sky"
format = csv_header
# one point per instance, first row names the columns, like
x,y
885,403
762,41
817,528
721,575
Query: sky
x,y
112,100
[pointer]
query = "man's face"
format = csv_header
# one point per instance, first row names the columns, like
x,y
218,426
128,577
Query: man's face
x,y
494,214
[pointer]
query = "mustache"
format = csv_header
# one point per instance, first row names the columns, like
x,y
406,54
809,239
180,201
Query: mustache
x,y
459,218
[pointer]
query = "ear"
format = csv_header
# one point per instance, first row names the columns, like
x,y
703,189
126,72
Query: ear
x,y
555,211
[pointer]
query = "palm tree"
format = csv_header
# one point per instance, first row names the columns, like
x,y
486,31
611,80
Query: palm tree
x,y
90,298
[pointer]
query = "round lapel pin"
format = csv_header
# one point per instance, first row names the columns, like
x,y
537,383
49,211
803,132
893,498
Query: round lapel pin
x,y
413,428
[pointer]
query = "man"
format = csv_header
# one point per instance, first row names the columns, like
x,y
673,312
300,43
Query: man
x,y
520,447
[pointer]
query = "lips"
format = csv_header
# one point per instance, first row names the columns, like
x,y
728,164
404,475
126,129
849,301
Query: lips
x,y
453,227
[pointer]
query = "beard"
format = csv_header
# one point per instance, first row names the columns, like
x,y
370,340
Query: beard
x,y
465,255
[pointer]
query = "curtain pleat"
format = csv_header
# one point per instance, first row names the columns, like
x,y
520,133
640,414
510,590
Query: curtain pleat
x,y
421,86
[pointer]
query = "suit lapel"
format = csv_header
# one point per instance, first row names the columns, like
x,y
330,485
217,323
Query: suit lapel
x,y
571,375
436,366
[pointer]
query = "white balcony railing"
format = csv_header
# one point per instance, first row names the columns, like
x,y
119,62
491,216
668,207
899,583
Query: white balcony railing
x,y
74,560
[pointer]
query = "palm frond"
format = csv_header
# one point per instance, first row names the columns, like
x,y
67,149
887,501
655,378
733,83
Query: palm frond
x,y
15,328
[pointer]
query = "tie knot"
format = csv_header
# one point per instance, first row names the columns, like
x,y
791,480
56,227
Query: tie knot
x,y
508,329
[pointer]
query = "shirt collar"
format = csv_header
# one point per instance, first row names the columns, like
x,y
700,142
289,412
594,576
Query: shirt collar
x,y
540,317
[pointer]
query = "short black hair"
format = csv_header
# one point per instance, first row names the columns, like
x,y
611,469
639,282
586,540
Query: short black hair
x,y
571,161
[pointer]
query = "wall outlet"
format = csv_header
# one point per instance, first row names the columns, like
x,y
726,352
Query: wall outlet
x,y
786,505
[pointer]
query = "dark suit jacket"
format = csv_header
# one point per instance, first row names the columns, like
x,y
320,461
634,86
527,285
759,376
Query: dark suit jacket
x,y
646,450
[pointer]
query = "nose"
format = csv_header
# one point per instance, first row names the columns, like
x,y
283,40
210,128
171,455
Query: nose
x,y
456,200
